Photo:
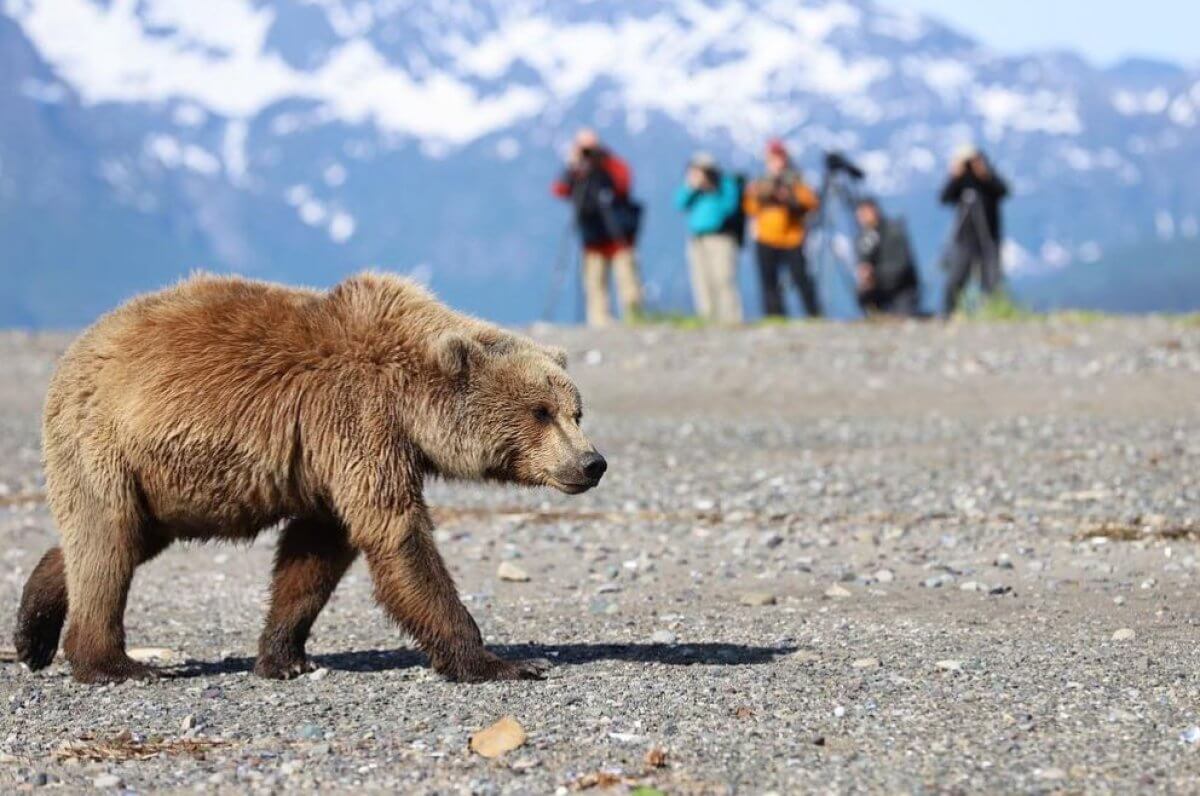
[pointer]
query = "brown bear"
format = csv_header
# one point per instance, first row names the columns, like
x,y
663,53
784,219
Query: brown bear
x,y
221,407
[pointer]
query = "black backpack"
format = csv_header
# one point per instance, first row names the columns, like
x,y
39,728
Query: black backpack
x,y
735,222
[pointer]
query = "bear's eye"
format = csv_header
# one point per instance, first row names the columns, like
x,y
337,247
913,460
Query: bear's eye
x,y
542,414
578,418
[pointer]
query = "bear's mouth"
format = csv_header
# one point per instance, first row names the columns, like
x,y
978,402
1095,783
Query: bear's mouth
x,y
571,487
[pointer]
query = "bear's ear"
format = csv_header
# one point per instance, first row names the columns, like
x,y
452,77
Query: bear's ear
x,y
557,355
454,353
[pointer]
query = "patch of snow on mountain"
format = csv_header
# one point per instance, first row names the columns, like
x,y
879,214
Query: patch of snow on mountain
x,y
946,76
171,153
1132,103
1043,111
341,226
218,61
233,150
41,91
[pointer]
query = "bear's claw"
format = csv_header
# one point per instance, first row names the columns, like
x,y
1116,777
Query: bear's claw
x,y
116,670
35,650
282,669
487,667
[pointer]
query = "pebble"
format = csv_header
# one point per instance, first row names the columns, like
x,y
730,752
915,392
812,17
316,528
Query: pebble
x,y
758,598
866,663
836,592
511,572
1004,561
1190,735
663,637
188,723
105,781
319,674
311,732
604,607
937,581
1124,634
885,576
771,540
949,665
972,585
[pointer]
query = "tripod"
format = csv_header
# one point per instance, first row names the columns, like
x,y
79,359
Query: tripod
x,y
566,260
839,184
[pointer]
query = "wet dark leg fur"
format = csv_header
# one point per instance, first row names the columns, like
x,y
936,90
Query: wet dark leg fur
x,y
313,555
43,611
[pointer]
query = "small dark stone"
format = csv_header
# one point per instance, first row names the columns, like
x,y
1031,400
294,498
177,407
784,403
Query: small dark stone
x,y
818,740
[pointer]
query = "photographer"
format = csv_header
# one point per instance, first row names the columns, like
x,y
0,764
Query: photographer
x,y
597,183
976,191
778,202
711,201
887,272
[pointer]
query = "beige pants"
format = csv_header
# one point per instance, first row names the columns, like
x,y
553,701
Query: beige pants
x,y
595,286
713,260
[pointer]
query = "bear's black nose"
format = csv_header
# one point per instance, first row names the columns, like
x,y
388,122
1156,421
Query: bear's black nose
x,y
593,466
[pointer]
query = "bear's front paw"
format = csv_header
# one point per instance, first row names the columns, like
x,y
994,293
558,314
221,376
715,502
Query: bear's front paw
x,y
274,667
111,670
485,667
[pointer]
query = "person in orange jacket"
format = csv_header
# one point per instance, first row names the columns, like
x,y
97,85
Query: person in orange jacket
x,y
778,202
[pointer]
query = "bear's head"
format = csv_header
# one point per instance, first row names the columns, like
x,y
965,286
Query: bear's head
x,y
514,415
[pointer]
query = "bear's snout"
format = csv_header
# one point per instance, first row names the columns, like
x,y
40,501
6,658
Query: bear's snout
x,y
582,474
593,466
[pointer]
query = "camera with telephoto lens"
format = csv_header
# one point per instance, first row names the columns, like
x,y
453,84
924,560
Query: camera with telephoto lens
x,y
836,161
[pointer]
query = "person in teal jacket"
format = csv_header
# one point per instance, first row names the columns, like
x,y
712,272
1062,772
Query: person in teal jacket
x,y
711,200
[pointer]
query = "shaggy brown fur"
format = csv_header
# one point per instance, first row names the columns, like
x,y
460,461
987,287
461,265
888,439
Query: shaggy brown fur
x,y
221,406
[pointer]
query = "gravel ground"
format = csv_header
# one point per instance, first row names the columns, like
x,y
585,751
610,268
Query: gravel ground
x,y
902,558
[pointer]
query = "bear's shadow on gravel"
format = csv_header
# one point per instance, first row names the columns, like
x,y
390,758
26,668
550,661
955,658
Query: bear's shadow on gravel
x,y
380,660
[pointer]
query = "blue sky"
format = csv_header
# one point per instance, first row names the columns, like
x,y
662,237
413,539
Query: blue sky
x,y
1102,30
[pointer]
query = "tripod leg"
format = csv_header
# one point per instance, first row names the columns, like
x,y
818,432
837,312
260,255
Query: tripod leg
x,y
990,269
958,273
559,274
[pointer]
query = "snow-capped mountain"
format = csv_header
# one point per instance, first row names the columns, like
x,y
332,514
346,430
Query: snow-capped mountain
x,y
142,138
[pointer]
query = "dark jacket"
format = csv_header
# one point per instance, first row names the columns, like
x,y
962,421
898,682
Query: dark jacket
x,y
989,192
599,192
887,250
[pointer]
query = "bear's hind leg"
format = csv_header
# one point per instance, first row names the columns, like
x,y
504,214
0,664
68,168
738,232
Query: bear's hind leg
x,y
414,586
99,571
312,556
43,611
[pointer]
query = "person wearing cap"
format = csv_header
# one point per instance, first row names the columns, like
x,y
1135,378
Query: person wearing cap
x,y
778,202
711,199
975,189
887,271
598,184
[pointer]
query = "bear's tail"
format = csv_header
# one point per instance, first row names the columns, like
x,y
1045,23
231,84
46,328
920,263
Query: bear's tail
x,y
43,611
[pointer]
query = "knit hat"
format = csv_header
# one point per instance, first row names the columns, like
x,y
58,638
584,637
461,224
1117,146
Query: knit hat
x,y
963,153
776,147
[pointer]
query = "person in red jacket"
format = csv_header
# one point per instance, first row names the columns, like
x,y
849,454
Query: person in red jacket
x,y
598,185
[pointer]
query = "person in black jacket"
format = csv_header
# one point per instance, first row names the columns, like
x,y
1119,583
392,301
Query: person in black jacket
x,y
887,271
976,191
